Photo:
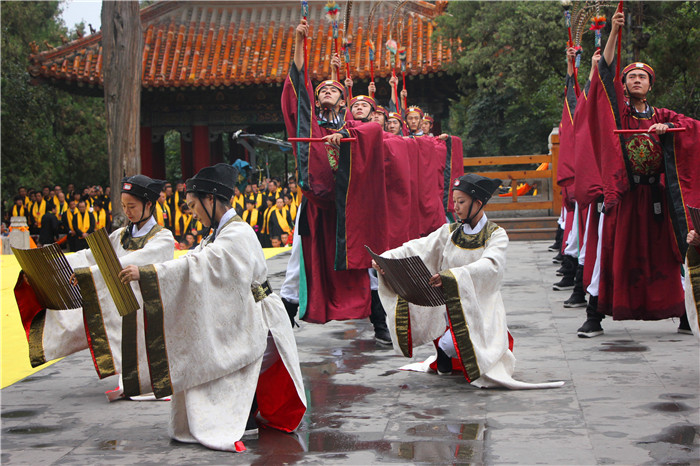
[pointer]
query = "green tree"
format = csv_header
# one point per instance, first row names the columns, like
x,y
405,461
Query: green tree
x,y
510,61
48,135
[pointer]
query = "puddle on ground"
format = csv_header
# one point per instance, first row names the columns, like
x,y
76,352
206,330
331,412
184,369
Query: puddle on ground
x,y
623,346
32,430
677,396
435,443
668,407
677,444
18,413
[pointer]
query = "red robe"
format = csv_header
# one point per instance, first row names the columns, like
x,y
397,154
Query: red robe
x,y
647,181
350,201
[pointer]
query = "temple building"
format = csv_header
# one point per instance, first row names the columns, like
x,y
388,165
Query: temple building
x,y
211,68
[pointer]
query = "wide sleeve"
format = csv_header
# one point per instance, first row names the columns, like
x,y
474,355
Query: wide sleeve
x,y
202,321
475,307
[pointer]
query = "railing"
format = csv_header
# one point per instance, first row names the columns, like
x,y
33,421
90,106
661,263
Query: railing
x,y
553,204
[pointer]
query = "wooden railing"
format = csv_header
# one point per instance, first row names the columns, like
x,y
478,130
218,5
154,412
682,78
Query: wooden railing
x,y
553,204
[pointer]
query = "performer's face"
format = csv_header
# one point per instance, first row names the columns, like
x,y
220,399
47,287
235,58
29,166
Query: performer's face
x,y
463,202
197,207
379,117
134,207
638,83
393,126
413,121
425,126
329,96
361,110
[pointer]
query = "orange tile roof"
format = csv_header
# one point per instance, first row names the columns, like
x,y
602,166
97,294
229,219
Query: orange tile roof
x,y
224,43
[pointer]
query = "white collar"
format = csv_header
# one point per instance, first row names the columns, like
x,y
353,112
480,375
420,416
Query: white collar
x,y
479,226
224,219
137,233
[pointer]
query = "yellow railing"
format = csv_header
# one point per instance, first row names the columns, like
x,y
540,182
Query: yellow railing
x,y
515,176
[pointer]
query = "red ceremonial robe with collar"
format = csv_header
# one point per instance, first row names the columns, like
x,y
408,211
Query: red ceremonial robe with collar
x,y
642,248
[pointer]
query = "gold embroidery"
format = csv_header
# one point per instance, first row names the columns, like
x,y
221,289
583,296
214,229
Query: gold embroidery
x,y
36,339
95,325
156,346
134,244
466,241
403,327
459,326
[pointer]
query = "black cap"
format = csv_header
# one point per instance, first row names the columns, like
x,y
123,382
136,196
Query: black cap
x,y
477,186
218,180
143,187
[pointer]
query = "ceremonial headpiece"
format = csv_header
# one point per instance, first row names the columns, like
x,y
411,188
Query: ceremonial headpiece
x,y
363,98
414,109
639,66
330,82
383,110
477,186
143,187
428,118
395,115
218,180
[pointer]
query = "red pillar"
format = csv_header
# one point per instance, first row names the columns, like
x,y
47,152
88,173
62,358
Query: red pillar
x,y
186,156
200,147
158,156
146,151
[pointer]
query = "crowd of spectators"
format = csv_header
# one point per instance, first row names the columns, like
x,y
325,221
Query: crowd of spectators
x,y
67,217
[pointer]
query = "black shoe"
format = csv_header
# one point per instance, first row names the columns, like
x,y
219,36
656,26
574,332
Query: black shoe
x,y
557,241
684,326
444,363
378,318
292,310
566,283
590,328
577,299
558,258
382,336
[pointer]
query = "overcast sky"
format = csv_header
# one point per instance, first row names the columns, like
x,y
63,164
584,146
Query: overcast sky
x,y
75,11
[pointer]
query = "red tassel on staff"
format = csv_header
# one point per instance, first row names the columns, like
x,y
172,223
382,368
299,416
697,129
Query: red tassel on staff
x,y
619,45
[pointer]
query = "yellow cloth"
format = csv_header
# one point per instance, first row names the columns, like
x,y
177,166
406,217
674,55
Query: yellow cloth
x,y
38,211
253,215
159,214
266,220
238,201
19,211
83,221
282,220
100,219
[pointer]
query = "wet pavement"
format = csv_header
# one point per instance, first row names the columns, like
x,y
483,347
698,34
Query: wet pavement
x,y
631,397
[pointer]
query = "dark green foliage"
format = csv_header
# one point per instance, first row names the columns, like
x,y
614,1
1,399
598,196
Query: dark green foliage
x,y
48,135
509,58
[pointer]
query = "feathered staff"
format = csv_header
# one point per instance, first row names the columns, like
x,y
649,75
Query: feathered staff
x,y
347,37
619,45
370,47
391,47
305,14
370,44
332,14
402,58
567,14
597,24
347,43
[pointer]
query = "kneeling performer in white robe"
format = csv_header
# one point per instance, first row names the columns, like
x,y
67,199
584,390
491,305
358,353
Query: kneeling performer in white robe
x,y
116,344
217,338
468,261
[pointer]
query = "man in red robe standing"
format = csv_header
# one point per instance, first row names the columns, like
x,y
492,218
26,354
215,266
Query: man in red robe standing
x,y
648,179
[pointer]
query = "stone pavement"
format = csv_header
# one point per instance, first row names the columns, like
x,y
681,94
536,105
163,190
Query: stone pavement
x,y
631,397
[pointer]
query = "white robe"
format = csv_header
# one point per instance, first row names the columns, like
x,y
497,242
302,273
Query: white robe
x,y
471,267
207,335
692,289
63,332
